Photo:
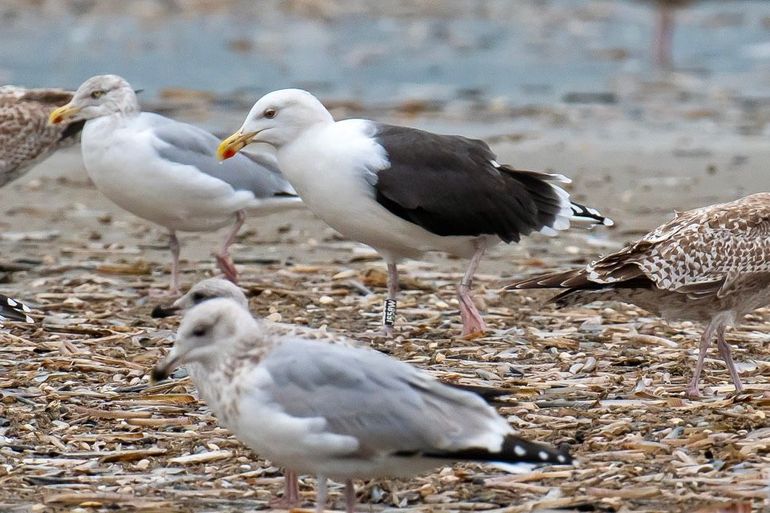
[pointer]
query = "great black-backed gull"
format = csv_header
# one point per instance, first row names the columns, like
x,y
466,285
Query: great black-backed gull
x,y
405,191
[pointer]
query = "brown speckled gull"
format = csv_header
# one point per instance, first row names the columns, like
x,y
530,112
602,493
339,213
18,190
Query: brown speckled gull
x,y
711,264
25,136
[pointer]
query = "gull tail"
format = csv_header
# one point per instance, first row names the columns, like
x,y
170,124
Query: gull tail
x,y
14,310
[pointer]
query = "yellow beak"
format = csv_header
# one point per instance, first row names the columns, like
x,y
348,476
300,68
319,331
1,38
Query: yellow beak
x,y
62,114
233,144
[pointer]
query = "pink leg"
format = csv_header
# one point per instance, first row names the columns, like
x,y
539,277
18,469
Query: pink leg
x,y
173,244
224,261
389,311
724,351
473,324
350,496
291,487
290,497
664,36
692,388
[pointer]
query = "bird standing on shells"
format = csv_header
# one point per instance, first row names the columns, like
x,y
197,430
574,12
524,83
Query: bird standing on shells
x,y
26,138
405,191
214,288
333,410
165,171
711,264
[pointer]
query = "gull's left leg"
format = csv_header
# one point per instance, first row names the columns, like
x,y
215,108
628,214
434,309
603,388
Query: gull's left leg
x,y
290,497
389,309
320,494
473,324
724,351
692,388
291,487
350,496
224,261
173,244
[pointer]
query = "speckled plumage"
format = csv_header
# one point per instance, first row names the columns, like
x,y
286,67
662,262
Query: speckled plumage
x,y
336,410
710,264
25,136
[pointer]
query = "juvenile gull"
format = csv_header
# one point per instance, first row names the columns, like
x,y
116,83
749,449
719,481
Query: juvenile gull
x,y
711,264
26,138
213,288
334,410
404,191
165,171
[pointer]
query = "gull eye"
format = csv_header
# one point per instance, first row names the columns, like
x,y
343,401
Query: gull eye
x,y
97,94
269,113
199,331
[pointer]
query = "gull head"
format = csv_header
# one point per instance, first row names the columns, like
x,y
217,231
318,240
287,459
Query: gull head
x,y
211,288
207,334
277,118
98,96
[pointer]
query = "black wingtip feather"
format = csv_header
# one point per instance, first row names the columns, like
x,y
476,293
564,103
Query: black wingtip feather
x,y
582,212
514,450
489,394
14,310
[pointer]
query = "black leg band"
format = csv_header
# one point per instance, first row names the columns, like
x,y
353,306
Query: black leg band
x,y
389,313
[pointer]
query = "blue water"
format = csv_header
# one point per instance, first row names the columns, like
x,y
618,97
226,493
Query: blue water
x,y
522,51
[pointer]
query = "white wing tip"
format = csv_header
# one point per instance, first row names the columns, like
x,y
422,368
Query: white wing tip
x,y
547,230
585,213
558,177
514,468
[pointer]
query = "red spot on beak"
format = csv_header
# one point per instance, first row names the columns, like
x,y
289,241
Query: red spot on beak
x,y
229,152
57,119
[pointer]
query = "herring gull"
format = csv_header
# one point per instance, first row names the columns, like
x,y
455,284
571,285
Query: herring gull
x,y
334,410
405,191
710,264
165,171
26,138
213,288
